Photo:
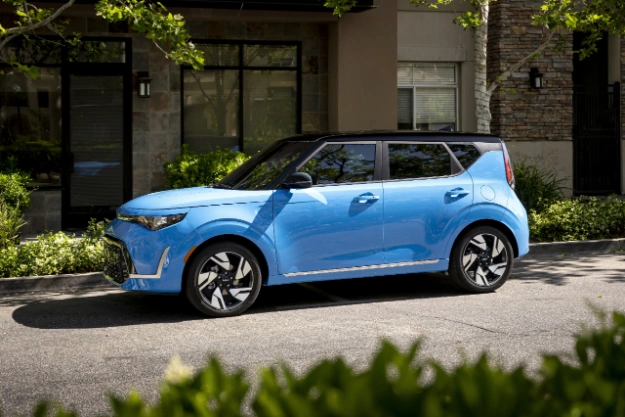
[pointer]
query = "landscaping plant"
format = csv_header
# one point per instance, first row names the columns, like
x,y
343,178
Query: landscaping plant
x,y
579,219
191,169
11,221
536,186
588,384
13,191
55,253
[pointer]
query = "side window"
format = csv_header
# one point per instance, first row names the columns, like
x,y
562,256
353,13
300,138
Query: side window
x,y
411,160
341,163
466,154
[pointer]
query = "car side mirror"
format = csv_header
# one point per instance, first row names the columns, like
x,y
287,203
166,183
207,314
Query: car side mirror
x,y
298,180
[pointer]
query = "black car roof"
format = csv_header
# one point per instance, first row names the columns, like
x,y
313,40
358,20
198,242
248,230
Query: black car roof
x,y
426,136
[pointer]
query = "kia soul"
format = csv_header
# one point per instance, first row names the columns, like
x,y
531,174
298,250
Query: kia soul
x,y
321,207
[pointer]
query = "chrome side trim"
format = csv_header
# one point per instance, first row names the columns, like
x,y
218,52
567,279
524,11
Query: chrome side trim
x,y
158,271
361,268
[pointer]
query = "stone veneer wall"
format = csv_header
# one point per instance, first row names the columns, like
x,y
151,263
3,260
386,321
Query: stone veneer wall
x,y
528,114
44,212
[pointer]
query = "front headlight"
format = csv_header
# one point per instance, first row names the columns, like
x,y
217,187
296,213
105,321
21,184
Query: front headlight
x,y
152,222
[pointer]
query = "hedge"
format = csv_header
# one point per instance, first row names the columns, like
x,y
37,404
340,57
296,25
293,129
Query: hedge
x,y
591,383
579,219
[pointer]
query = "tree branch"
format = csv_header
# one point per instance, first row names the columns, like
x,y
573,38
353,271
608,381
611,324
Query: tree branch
x,y
44,22
538,51
12,32
4,42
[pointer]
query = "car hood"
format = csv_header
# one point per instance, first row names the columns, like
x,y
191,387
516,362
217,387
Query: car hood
x,y
192,197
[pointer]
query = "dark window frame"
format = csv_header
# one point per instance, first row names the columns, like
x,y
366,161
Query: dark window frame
x,y
241,68
456,167
98,68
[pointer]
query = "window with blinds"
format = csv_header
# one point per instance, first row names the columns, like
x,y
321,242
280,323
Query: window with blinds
x,y
427,96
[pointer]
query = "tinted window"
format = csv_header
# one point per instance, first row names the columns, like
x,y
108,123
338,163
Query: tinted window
x,y
260,171
466,154
418,161
335,164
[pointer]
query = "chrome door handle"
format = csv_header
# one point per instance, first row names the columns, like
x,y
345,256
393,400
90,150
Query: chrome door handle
x,y
364,199
456,193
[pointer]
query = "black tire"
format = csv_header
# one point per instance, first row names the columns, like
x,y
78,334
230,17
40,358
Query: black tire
x,y
231,280
481,260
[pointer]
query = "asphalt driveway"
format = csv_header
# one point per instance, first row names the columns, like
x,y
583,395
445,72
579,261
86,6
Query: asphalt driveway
x,y
75,347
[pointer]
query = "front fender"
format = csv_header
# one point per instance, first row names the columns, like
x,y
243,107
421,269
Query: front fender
x,y
263,241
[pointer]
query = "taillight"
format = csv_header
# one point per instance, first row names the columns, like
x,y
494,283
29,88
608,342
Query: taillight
x,y
509,171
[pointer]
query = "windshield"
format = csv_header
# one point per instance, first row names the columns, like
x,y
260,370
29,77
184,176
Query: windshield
x,y
264,168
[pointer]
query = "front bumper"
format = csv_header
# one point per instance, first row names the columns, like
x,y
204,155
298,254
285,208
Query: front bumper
x,y
153,261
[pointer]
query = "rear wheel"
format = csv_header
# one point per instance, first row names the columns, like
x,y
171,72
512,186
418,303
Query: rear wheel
x,y
223,280
481,260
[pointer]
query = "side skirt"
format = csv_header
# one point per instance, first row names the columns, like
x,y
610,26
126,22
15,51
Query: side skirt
x,y
434,265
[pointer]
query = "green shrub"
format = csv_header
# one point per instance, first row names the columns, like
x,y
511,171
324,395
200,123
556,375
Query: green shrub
x,y
55,253
591,383
536,186
585,219
10,223
13,190
192,170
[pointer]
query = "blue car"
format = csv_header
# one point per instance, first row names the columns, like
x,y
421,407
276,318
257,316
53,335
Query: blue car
x,y
320,207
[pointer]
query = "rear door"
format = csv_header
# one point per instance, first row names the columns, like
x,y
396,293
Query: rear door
x,y
337,223
426,195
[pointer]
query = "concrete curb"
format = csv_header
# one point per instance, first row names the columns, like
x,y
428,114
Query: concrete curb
x,y
54,283
581,246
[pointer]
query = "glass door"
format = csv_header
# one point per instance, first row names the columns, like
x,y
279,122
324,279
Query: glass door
x,y
96,148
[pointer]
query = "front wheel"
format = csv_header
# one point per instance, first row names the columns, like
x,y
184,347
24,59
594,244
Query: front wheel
x,y
223,280
481,260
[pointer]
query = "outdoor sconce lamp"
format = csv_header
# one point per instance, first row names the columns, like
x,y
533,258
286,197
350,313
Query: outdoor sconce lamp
x,y
144,84
536,78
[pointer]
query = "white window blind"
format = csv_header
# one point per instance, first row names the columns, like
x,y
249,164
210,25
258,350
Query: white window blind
x,y
435,105
427,96
404,106
434,74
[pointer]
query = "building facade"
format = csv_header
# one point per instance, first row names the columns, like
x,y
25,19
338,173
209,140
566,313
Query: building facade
x,y
277,68
573,125
272,69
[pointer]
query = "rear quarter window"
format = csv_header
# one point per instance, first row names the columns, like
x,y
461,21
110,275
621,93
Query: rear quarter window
x,y
465,153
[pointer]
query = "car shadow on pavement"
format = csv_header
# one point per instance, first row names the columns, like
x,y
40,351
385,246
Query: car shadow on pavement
x,y
84,310
560,270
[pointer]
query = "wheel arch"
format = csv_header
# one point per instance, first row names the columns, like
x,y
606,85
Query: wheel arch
x,y
258,253
502,227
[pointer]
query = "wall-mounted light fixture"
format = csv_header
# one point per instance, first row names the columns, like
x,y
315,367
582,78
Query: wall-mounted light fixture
x,y
536,78
144,84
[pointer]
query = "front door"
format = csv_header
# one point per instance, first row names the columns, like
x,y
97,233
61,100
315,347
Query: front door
x,y
425,198
338,222
97,172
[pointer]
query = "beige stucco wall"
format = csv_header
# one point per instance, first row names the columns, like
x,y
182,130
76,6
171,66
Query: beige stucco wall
x,y
556,156
363,70
430,35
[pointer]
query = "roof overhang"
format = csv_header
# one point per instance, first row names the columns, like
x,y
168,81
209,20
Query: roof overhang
x,y
281,5
275,5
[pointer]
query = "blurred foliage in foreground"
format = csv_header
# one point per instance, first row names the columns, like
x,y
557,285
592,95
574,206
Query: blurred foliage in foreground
x,y
589,383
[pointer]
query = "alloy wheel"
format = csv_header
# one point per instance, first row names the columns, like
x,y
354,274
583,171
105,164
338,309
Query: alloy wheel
x,y
485,259
225,280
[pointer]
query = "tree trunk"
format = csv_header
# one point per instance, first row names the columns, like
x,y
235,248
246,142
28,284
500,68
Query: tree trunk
x,y
482,93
